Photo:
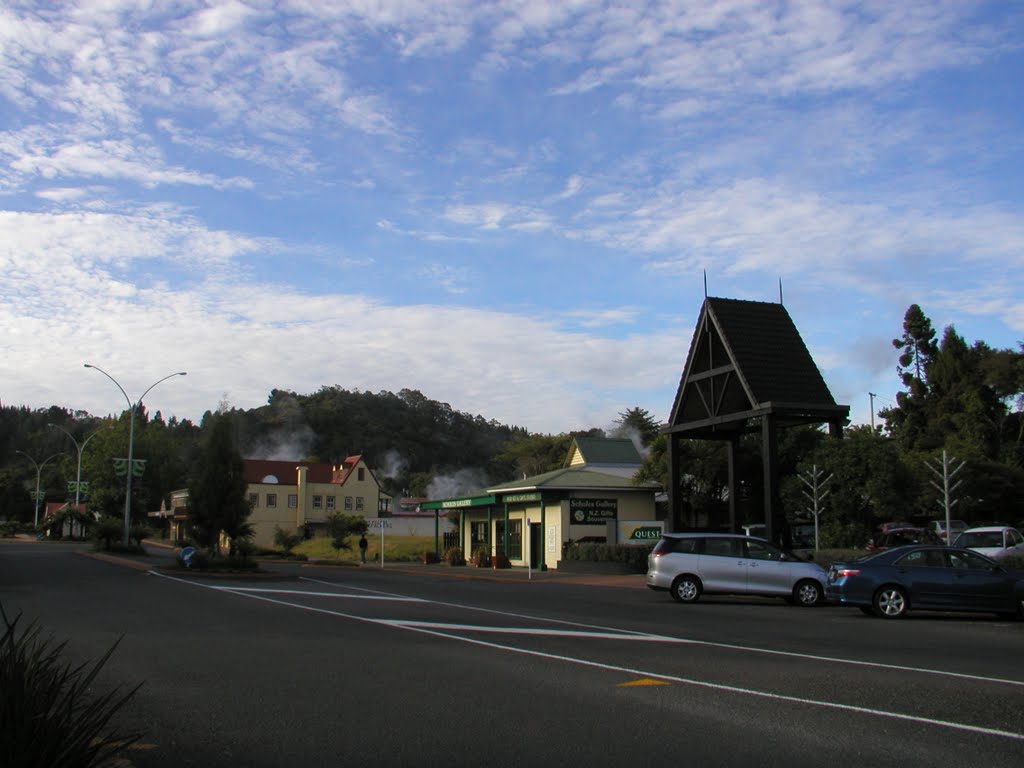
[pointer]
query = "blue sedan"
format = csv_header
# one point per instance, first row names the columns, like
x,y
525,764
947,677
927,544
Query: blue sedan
x,y
891,583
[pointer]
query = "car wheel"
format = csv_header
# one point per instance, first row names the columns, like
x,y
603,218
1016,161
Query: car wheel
x,y
1017,616
891,602
808,593
686,589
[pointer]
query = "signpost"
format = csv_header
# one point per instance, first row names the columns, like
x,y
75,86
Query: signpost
x,y
382,524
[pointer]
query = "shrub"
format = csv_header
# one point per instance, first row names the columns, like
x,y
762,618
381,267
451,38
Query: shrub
x,y
49,714
454,556
285,540
430,557
204,560
138,532
630,554
107,530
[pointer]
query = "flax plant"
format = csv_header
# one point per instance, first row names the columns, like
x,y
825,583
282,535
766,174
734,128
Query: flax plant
x,y
50,716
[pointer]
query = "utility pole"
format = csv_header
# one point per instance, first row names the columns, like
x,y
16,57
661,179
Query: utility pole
x,y
872,397
945,471
817,494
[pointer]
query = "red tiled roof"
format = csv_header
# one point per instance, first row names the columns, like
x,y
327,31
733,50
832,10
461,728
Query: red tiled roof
x,y
285,471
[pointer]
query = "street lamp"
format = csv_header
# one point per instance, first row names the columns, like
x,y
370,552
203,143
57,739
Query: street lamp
x,y
131,441
80,448
39,472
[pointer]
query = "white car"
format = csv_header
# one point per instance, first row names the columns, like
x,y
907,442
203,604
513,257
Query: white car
x,y
691,564
995,541
938,527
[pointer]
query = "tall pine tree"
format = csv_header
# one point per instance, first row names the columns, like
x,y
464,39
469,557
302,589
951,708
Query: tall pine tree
x,y
217,492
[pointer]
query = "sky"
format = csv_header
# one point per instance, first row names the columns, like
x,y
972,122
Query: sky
x,y
512,206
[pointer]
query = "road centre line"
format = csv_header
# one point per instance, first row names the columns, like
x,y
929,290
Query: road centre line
x,y
397,599
623,633
521,631
624,670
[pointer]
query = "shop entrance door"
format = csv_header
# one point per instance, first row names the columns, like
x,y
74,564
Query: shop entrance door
x,y
536,545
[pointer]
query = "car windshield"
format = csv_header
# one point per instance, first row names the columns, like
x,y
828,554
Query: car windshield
x,y
981,539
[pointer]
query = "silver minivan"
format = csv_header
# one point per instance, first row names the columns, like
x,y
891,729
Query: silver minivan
x,y
691,564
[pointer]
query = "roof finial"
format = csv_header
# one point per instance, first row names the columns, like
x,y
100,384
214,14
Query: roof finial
x,y
780,290
705,283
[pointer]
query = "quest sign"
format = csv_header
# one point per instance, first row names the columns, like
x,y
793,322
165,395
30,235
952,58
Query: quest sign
x,y
640,531
593,511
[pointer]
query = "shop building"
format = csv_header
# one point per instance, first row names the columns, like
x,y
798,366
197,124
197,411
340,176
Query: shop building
x,y
528,522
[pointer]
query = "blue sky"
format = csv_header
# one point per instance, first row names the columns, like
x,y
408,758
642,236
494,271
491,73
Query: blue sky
x,y
509,206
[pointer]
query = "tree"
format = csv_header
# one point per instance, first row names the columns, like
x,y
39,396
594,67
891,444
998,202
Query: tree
x,y
907,420
340,526
216,495
637,421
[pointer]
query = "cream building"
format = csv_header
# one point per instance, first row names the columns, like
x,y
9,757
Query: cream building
x,y
528,521
299,496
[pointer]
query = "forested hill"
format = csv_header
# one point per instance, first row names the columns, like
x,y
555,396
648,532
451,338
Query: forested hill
x,y
399,434
408,440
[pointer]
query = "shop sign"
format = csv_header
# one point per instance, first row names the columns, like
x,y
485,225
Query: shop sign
x,y
515,498
591,511
640,531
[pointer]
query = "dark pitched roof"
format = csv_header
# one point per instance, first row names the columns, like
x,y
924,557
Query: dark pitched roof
x,y
747,358
604,450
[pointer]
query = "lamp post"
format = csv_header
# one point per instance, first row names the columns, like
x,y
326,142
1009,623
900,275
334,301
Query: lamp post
x,y
78,476
131,441
39,473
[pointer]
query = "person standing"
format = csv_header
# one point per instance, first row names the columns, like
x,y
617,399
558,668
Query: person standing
x,y
363,543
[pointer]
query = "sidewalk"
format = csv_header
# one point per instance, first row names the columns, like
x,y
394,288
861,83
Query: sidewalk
x,y
515,573
162,554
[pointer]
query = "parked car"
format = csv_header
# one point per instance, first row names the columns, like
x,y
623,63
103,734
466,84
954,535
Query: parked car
x,y
691,564
938,578
900,537
996,541
938,527
886,527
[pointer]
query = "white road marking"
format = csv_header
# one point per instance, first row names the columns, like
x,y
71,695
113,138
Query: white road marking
x,y
521,630
644,636
396,599
426,629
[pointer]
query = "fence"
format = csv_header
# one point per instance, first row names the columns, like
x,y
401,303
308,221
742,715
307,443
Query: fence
x,y
451,539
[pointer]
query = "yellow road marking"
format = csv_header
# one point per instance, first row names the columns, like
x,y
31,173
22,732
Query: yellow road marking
x,y
643,681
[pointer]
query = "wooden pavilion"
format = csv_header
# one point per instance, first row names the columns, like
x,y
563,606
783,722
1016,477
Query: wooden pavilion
x,y
747,370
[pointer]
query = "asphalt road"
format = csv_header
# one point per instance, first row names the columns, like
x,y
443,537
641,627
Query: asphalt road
x,y
382,667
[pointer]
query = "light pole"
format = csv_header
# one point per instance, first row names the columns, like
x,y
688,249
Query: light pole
x,y
39,472
131,441
78,476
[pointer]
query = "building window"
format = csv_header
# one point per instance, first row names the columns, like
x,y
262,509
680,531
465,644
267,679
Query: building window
x,y
254,499
318,502
361,473
348,503
332,502
293,500
359,503
271,499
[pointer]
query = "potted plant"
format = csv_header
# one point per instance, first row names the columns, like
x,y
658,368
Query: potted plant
x,y
482,557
